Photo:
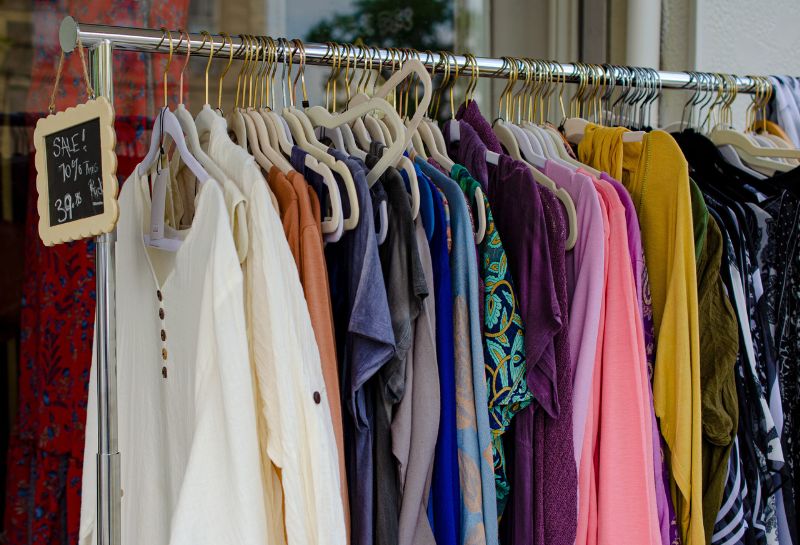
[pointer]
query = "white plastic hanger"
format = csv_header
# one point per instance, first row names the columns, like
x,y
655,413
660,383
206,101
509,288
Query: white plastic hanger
x,y
360,107
301,127
166,124
752,154
188,125
455,136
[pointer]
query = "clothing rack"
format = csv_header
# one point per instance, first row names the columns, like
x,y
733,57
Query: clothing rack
x,y
319,54
101,41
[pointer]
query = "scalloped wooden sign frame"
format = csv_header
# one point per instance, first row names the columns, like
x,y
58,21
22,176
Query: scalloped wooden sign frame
x,y
76,172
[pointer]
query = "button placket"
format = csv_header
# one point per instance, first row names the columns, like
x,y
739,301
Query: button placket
x,y
161,315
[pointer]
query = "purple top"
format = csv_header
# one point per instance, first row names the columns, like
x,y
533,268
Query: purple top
x,y
523,225
514,198
555,472
470,113
467,150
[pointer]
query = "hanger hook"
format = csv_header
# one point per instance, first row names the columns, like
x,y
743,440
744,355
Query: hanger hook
x,y
205,35
186,63
245,45
169,61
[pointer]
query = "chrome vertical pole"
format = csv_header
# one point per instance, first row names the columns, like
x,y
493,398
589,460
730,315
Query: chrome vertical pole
x,y
109,493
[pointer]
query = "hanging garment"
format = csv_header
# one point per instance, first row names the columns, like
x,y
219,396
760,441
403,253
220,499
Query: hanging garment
x,y
759,231
783,301
504,333
555,472
666,511
478,496
445,485
522,223
364,342
758,437
406,288
784,107
585,281
719,345
279,329
300,216
655,173
623,447
184,381
416,425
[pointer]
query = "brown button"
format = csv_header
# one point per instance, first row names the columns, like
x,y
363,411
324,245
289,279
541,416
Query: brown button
x,y
161,313
317,398
164,353
164,372
158,294
163,335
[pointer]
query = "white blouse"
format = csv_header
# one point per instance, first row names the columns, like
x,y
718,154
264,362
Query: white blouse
x,y
187,423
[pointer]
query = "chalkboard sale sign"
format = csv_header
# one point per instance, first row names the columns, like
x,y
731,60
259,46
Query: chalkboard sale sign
x,y
76,172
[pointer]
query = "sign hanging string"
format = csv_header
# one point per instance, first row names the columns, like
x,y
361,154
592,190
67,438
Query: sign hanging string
x,y
89,88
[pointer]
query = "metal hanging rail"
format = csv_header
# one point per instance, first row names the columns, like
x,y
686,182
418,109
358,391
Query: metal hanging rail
x,y
152,40
101,41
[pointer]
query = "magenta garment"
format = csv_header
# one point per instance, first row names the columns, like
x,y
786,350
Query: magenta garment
x,y
666,511
556,475
585,289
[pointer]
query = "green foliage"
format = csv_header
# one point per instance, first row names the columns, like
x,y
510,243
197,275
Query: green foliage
x,y
420,24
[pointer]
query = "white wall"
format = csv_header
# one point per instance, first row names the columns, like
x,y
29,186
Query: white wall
x,y
735,36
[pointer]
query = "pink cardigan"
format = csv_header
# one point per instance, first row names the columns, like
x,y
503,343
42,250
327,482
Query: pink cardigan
x,y
616,485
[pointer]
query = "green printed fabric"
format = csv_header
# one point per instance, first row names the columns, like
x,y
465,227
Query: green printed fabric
x,y
503,335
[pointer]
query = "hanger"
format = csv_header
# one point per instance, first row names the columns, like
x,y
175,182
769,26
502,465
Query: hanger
x,y
751,153
259,135
370,123
416,147
491,157
165,123
297,120
335,134
560,81
428,129
395,150
503,132
209,117
187,121
406,163
253,146
529,132
575,126
359,128
389,134
507,138
349,144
